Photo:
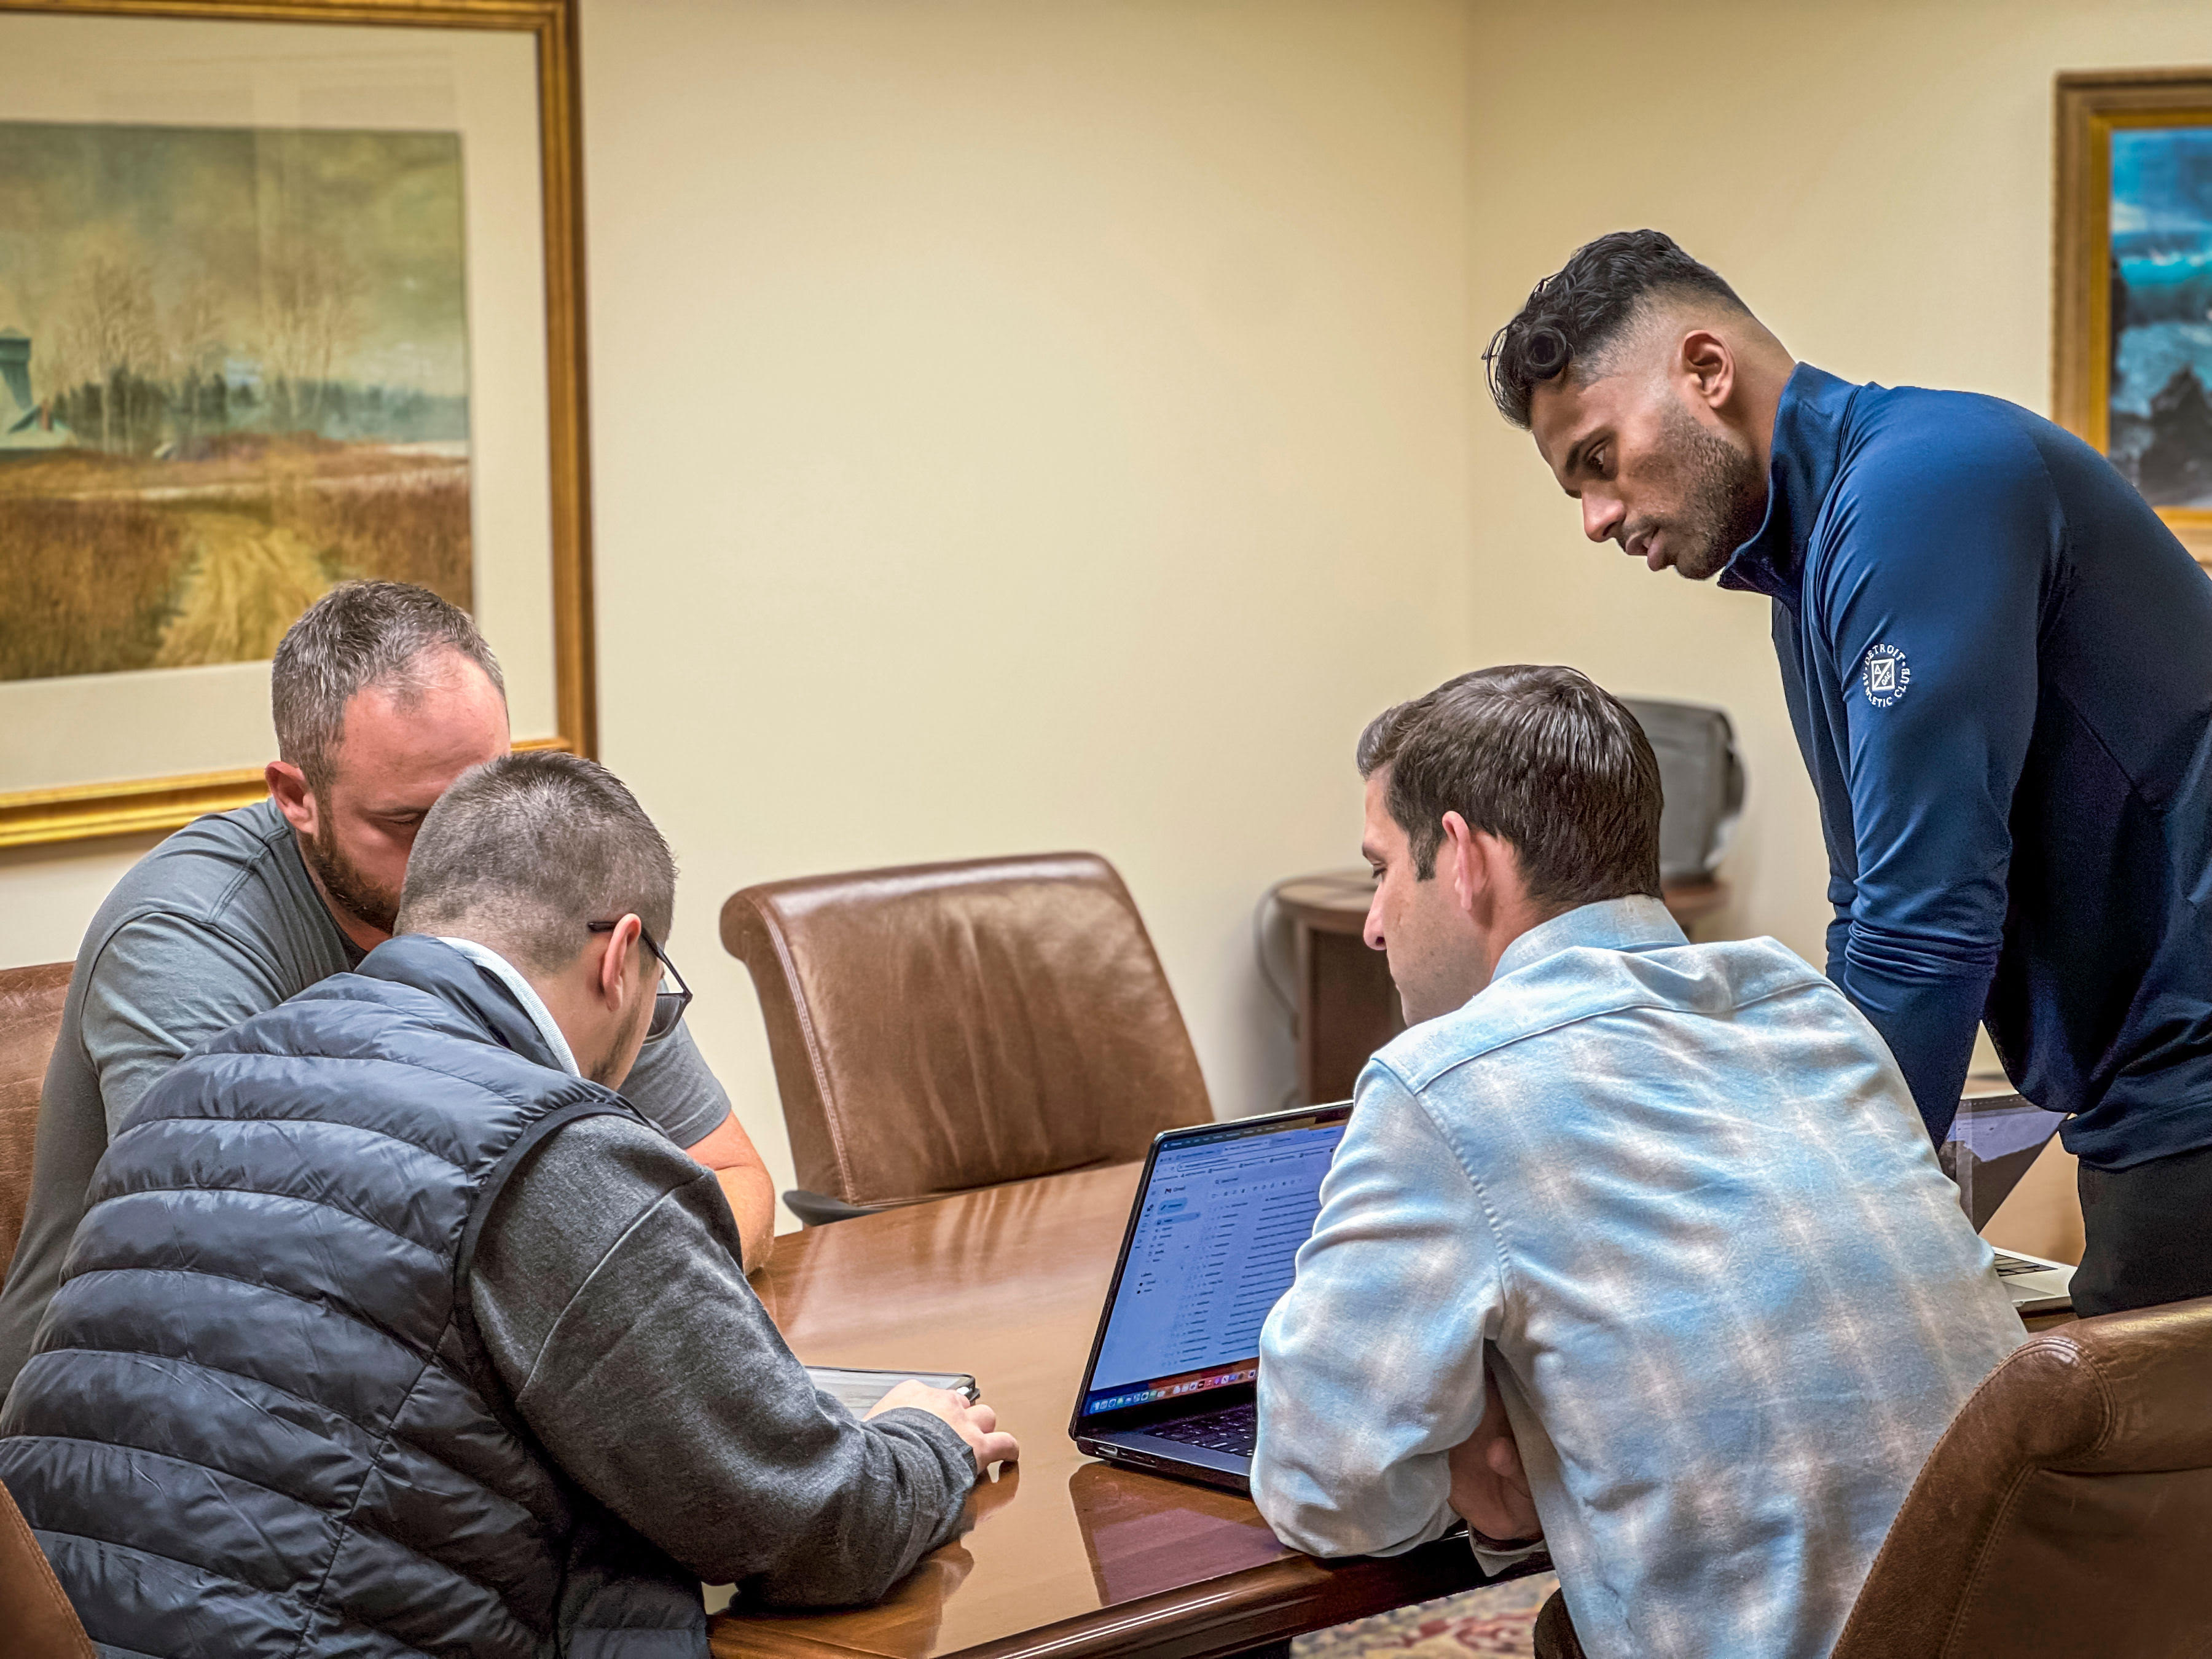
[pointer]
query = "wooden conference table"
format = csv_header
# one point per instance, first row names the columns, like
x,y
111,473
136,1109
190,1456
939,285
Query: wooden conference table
x,y
1066,1557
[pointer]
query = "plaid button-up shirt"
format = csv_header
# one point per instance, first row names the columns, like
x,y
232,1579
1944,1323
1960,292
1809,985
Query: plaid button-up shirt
x,y
1679,1197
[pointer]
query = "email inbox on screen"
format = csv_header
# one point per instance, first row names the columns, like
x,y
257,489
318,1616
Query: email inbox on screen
x,y
1213,1252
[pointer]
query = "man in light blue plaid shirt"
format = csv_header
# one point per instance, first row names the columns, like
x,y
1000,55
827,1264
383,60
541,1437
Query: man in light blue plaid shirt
x,y
1668,1210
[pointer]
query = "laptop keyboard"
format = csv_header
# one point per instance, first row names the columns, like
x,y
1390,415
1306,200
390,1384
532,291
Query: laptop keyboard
x,y
1230,1430
2011,1266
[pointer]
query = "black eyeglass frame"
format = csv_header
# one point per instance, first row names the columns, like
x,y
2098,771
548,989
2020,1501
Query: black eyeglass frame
x,y
668,1006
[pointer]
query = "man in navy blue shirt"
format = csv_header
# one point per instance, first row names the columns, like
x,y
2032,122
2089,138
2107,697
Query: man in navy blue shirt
x,y
1998,662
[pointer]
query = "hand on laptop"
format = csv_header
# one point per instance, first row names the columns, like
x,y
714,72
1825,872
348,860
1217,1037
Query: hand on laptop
x,y
978,1424
1489,1488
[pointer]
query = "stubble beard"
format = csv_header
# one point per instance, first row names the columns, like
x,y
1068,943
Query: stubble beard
x,y
1724,496
347,884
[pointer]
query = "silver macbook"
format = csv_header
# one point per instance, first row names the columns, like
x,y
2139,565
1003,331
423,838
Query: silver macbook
x,y
1209,1250
1995,1139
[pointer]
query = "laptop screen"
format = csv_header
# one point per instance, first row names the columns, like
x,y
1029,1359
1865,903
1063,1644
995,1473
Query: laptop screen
x,y
1211,1251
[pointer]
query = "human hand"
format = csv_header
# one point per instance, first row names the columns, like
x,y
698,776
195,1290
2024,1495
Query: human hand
x,y
978,1424
1489,1487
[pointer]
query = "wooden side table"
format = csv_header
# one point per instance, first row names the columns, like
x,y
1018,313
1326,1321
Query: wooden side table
x,y
1348,1007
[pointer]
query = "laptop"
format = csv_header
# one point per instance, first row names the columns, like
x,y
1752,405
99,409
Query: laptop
x,y
1995,1139
1209,1250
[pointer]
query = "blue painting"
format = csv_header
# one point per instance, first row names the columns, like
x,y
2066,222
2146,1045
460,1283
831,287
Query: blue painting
x,y
2160,416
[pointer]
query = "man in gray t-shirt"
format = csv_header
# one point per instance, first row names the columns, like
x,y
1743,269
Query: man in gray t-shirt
x,y
383,694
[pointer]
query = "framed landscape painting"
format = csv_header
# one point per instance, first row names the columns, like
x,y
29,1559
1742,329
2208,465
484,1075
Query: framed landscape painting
x,y
2132,358
289,295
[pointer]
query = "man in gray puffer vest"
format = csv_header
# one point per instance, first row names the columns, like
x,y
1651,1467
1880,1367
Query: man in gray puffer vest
x,y
390,1329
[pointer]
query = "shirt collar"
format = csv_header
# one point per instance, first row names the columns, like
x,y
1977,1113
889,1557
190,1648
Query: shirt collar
x,y
1619,924
1808,424
525,993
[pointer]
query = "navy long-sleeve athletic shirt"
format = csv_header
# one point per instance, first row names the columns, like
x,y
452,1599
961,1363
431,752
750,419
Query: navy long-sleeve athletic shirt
x,y
1998,662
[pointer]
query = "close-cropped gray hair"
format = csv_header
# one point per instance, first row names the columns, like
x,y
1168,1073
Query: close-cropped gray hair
x,y
358,635
1543,759
522,851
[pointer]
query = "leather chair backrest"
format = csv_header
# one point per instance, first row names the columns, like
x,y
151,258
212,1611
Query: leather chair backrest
x,y
941,1027
35,1615
2068,1509
30,1019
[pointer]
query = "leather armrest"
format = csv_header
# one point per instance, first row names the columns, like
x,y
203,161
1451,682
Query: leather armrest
x,y
819,1209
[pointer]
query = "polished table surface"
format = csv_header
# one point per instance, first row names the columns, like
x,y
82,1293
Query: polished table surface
x,y
1065,1556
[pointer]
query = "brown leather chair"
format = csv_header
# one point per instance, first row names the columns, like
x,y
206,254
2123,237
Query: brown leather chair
x,y
942,1027
37,1617
2066,1513
30,1019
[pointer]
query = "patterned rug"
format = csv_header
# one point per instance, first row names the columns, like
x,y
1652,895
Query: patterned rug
x,y
1496,1619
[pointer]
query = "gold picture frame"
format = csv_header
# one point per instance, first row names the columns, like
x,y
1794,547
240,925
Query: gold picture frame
x,y
2091,107
74,812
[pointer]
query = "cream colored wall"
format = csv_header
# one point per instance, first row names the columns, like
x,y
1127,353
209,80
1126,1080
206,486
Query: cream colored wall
x,y
1875,181
47,893
1023,426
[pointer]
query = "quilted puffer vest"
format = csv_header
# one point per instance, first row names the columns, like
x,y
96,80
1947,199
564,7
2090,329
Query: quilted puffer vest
x,y
258,1420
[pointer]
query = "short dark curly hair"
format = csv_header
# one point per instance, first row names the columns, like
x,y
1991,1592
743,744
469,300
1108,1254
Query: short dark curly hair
x,y
1581,308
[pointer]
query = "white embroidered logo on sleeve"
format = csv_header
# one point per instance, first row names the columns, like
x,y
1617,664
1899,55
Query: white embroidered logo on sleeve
x,y
1886,674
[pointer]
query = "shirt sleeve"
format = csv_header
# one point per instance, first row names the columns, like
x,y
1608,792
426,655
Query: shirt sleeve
x,y
671,1086
1926,604
607,1291
1372,1364
162,985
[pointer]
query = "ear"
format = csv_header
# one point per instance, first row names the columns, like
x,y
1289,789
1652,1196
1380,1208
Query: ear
x,y
287,788
613,976
1705,363
1463,855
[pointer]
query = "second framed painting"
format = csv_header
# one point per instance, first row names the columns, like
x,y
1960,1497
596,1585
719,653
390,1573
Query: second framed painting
x,y
2132,355
289,295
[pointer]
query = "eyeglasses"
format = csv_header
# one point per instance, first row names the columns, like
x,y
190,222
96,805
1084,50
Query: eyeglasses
x,y
668,1006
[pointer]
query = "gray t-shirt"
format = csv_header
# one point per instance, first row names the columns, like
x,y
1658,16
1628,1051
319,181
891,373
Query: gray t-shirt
x,y
218,923
608,1294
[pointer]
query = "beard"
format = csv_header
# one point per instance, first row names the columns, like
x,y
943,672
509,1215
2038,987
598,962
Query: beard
x,y
350,887
1724,496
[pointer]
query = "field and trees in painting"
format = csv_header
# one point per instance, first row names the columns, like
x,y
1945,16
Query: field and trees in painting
x,y
233,372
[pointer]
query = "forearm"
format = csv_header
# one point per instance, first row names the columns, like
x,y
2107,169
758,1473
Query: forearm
x,y
1351,1459
743,1179
696,1424
751,1198
1927,1013
610,1298
896,1491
